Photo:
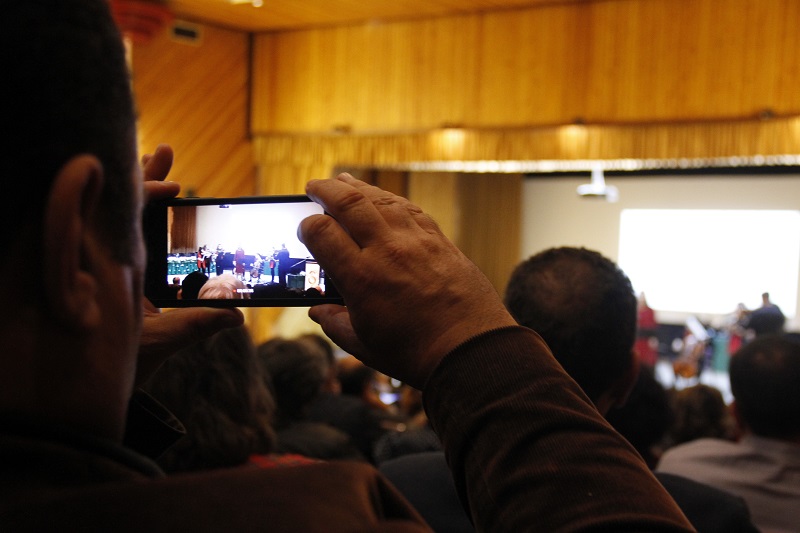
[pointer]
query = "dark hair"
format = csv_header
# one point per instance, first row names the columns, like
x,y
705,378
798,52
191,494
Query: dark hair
x,y
295,373
321,343
192,283
584,308
216,389
355,377
700,412
765,376
645,417
67,92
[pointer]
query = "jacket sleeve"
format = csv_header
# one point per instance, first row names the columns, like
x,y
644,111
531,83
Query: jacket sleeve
x,y
528,450
150,427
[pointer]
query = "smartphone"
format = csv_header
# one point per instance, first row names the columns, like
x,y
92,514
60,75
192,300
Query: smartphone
x,y
232,252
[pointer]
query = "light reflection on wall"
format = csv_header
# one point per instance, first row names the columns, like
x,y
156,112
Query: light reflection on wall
x,y
449,141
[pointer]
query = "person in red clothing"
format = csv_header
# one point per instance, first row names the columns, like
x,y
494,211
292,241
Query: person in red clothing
x,y
646,345
239,263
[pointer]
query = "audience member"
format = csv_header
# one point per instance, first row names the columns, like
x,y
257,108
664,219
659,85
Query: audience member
x,y
645,418
224,287
763,467
347,412
216,389
584,308
296,374
767,319
412,434
359,380
64,411
175,286
318,342
191,285
362,382
426,481
700,412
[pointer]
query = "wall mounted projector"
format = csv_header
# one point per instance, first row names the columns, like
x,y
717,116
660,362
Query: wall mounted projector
x,y
598,188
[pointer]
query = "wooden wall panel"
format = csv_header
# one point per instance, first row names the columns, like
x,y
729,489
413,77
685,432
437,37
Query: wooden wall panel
x,y
490,223
196,98
480,213
392,76
614,61
436,193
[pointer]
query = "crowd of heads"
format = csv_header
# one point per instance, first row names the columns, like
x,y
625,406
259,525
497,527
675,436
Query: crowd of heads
x,y
584,307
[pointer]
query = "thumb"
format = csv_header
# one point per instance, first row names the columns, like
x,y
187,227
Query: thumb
x,y
335,322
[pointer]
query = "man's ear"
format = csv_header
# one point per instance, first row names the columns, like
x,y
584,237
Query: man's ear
x,y
68,233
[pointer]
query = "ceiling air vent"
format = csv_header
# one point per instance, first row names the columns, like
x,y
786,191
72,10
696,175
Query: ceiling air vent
x,y
186,32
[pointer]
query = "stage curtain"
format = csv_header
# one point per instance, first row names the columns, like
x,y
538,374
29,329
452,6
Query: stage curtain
x,y
183,230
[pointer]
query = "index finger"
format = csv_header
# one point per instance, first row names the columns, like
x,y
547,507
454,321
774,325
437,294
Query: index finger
x,y
396,210
351,208
155,168
157,165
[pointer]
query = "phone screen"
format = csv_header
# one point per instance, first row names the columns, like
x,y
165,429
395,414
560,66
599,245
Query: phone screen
x,y
224,252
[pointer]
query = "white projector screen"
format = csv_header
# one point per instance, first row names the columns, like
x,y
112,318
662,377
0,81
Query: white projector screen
x,y
708,261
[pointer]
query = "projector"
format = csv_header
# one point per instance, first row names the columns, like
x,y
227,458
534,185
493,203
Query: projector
x,y
598,188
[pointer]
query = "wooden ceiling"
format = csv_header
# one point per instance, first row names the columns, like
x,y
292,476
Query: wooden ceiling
x,y
276,15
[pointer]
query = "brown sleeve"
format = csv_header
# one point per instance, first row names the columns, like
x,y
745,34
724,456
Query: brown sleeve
x,y
527,448
324,497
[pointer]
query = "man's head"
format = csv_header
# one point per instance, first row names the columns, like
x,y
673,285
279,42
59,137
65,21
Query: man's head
x,y
192,283
584,308
67,92
295,373
765,376
67,105
217,389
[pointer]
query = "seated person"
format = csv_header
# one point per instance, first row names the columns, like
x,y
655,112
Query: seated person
x,y
191,285
345,409
295,374
216,389
645,417
700,412
763,467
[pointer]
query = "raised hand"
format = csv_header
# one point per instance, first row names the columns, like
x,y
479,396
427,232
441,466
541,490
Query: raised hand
x,y
411,296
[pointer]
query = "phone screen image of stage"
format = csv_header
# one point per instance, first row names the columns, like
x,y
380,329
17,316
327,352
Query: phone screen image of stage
x,y
254,242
